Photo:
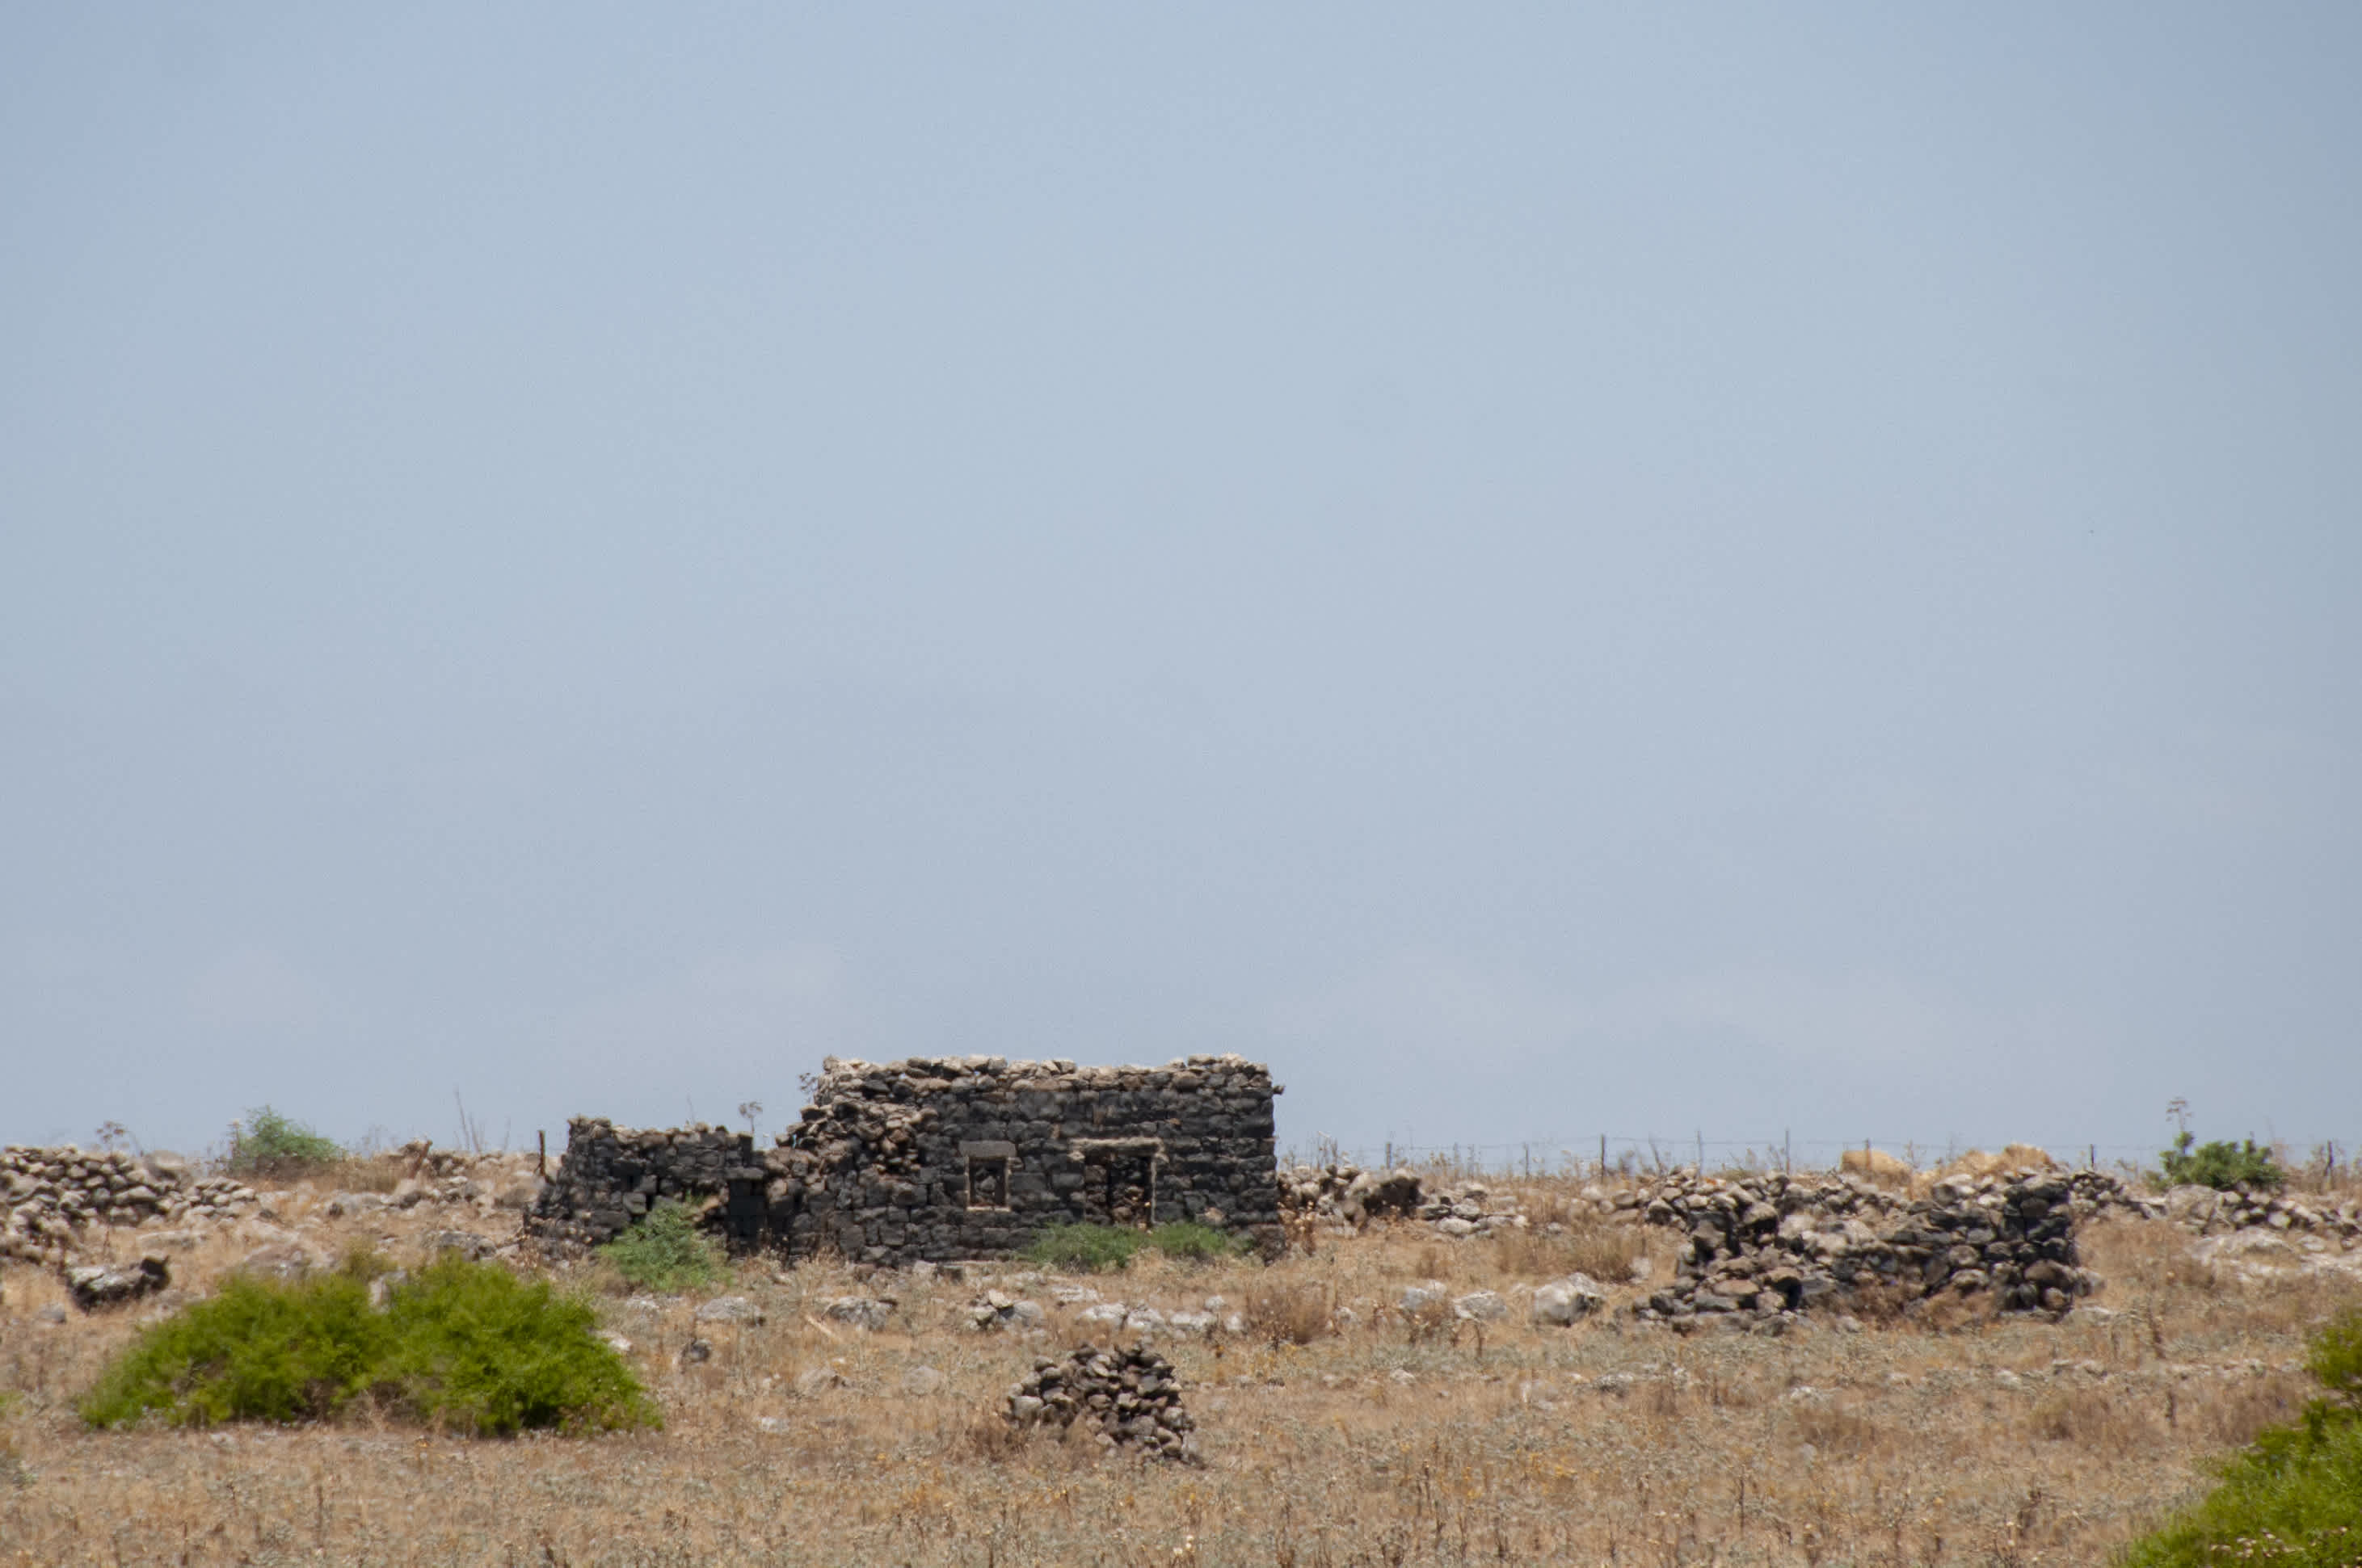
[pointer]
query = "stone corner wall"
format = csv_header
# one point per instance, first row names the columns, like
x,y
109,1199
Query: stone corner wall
x,y
610,1175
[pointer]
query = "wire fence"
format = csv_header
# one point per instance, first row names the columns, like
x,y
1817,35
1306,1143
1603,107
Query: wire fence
x,y
1599,1153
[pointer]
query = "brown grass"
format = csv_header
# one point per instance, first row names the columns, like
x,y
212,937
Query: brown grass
x,y
1386,1442
1292,1314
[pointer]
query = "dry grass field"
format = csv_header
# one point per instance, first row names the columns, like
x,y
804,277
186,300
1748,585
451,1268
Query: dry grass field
x,y
1380,1440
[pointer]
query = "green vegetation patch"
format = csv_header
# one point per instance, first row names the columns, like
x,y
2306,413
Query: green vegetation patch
x,y
1085,1249
664,1250
2295,1497
1193,1243
2221,1166
268,1144
1102,1249
464,1347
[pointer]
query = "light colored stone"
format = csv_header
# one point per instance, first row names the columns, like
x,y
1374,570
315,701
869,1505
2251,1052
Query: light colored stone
x,y
729,1309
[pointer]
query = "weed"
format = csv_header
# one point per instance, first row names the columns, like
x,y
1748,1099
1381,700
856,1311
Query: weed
x,y
664,1250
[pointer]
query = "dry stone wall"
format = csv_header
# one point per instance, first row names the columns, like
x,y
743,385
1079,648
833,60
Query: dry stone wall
x,y
52,1199
932,1159
1762,1249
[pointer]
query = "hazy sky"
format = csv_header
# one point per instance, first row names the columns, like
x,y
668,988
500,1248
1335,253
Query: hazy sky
x,y
1684,569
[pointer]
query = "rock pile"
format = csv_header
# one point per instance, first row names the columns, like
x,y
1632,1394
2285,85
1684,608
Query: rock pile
x,y
1763,1249
50,1197
1131,1397
1345,1196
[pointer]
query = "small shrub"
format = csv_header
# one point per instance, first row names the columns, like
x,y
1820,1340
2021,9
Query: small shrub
x,y
463,1345
2221,1166
1193,1243
664,1250
1085,1249
272,1146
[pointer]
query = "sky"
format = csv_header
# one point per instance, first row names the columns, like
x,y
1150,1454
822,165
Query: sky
x,y
1713,573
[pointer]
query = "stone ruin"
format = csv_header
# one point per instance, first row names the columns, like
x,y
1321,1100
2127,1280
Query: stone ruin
x,y
1762,1249
936,1160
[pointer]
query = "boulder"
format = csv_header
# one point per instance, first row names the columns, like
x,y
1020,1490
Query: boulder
x,y
729,1309
1568,1301
94,1285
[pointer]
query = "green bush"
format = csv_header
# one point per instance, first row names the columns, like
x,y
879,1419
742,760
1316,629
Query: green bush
x,y
260,1350
270,1144
464,1345
478,1350
1193,1242
2294,1498
1089,1249
664,1250
2221,1166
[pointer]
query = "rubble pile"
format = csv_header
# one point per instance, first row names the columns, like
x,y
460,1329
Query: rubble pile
x,y
1344,1197
1131,1397
51,1198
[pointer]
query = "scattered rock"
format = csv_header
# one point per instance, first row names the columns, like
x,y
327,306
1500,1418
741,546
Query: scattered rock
x,y
1481,1306
729,1309
695,1352
1568,1301
282,1260
870,1312
467,1244
923,1382
994,1309
817,1380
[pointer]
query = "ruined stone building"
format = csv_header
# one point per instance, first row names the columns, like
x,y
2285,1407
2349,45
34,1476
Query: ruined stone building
x,y
937,1158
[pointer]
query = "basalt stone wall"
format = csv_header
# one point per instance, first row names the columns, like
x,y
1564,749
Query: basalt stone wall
x,y
936,1158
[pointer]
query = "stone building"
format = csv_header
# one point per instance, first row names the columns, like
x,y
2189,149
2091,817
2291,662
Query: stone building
x,y
936,1158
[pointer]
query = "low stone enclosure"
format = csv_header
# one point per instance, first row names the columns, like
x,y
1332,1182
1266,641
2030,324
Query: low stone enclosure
x,y
938,1159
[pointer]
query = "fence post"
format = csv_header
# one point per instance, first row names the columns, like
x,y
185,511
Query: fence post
x,y
541,1167
1700,1151
1787,1154
1602,1156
